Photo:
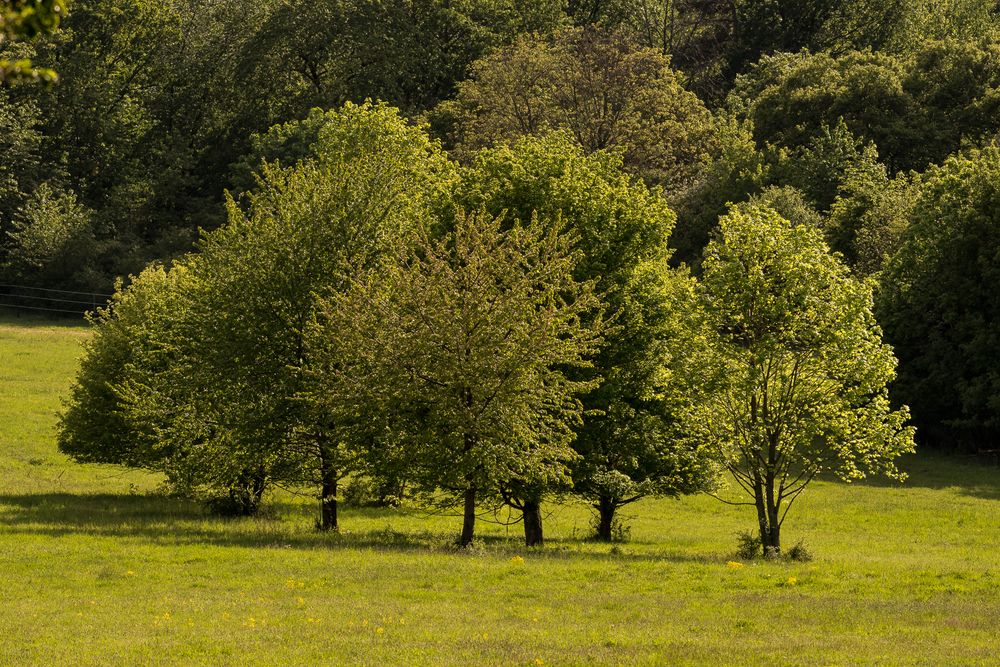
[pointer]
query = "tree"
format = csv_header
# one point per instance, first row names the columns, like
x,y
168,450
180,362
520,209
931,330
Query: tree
x,y
712,41
799,377
917,107
597,86
52,241
228,399
939,303
819,167
623,227
125,347
869,218
739,170
465,344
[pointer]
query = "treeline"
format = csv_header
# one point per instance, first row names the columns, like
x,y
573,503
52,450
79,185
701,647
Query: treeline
x,y
497,333
837,113
870,122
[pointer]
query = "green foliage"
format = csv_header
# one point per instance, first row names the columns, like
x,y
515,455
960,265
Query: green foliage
x,y
938,302
869,218
26,19
625,444
462,348
739,170
916,108
788,202
712,41
236,347
20,155
799,374
127,347
819,167
599,87
52,242
748,545
412,52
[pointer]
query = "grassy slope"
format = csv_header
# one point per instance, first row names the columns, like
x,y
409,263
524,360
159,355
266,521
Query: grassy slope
x,y
96,568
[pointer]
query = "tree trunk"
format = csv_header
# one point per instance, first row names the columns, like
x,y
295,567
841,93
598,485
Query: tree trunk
x,y
772,546
328,500
762,526
532,513
469,522
328,491
606,507
767,517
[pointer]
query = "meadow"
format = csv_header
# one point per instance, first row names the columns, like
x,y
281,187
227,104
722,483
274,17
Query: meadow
x,y
99,566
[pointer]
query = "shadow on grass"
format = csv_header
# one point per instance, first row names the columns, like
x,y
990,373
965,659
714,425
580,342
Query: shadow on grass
x,y
13,318
966,475
172,521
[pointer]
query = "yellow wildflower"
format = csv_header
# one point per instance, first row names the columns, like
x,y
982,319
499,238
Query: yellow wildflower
x,y
734,565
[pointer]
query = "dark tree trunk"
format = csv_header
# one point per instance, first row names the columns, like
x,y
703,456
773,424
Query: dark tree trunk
x,y
767,517
758,497
328,500
469,522
606,507
532,513
328,491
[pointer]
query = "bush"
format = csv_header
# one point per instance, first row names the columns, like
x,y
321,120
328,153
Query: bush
x,y
799,552
748,545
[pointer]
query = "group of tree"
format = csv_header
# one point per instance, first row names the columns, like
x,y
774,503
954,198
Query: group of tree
x,y
865,120
503,332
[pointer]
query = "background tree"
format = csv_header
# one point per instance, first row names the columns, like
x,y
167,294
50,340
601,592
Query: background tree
x,y
939,302
869,218
623,229
598,86
916,107
712,41
52,242
464,344
800,374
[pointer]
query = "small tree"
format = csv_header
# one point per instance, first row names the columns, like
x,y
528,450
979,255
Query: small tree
x,y
460,350
799,370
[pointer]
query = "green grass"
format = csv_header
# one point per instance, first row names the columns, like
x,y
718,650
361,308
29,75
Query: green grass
x,y
96,567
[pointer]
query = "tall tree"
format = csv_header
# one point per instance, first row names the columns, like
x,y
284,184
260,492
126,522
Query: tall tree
x,y
596,85
799,381
939,302
228,397
464,345
626,451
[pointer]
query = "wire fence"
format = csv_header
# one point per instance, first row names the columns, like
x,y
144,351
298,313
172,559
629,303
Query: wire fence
x,y
56,302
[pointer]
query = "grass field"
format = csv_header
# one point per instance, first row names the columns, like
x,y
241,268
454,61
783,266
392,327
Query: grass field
x,y
96,567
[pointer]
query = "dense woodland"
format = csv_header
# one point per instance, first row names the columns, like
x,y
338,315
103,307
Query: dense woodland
x,y
499,251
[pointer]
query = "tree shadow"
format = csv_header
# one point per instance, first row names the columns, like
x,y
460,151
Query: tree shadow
x,y
967,475
168,521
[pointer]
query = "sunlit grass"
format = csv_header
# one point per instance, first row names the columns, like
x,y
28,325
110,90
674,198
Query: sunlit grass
x,y
96,567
